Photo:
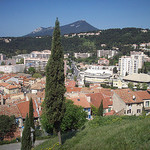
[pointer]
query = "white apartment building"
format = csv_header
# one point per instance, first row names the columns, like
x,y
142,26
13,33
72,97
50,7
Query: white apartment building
x,y
128,65
140,56
12,68
37,59
82,55
106,53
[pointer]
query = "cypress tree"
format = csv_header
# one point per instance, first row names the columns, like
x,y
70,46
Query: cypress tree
x,y
100,109
31,118
55,87
26,136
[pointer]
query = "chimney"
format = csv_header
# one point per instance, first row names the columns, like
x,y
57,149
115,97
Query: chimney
x,y
89,99
134,98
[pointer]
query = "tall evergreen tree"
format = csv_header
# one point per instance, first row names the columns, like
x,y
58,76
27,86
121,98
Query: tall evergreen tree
x,y
55,88
100,109
26,136
31,118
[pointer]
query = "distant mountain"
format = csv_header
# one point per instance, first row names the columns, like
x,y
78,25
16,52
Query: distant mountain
x,y
76,27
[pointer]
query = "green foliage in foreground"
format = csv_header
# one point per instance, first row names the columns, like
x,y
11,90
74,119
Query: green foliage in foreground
x,y
7,125
112,132
74,118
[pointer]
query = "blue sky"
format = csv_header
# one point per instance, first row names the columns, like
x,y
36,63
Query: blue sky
x,y
20,17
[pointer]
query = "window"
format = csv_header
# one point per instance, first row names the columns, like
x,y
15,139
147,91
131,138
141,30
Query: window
x,y
138,110
129,111
125,112
147,104
109,109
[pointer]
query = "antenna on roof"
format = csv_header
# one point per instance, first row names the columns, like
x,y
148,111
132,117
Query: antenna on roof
x,y
134,97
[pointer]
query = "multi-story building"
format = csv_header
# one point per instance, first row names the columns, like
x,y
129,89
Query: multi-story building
x,y
127,101
20,56
106,53
82,55
95,74
103,61
12,68
128,65
125,65
37,59
131,64
140,56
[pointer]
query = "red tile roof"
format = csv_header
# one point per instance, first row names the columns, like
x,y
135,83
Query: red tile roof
x,y
73,89
112,112
24,109
10,110
127,96
70,83
81,101
143,94
96,99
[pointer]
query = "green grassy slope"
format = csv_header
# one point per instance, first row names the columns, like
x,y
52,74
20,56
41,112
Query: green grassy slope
x,y
120,134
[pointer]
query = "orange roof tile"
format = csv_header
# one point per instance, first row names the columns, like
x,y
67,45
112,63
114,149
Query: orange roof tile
x,y
127,95
81,101
70,83
24,108
4,84
143,94
73,89
9,110
96,99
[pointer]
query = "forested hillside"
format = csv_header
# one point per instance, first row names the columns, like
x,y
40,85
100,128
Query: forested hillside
x,y
111,37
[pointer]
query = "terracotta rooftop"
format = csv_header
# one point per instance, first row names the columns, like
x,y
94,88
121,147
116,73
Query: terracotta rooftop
x,y
37,86
24,109
10,110
70,83
143,94
128,96
81,101
96,99
4,84
73,89
112,112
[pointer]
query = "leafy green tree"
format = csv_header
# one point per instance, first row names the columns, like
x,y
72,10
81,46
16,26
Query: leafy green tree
x,y
3,63
138,86
144,86
26,136
74,118
115,70
31,118
7,124
145,70
31,70
55,87
94,110
100,109
130,85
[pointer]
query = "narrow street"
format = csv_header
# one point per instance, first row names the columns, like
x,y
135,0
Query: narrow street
x,y
17,146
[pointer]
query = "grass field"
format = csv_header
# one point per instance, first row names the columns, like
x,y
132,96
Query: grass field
x,y
108,133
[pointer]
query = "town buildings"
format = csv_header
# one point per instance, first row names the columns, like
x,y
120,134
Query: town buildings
x,y
106,53
127,102
37,59
95,74
12,68
82,55
103,61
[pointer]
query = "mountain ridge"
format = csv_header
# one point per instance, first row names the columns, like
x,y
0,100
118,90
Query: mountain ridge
x,y
75,27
